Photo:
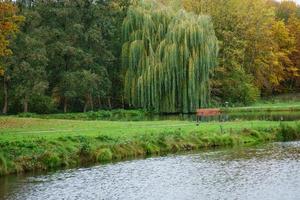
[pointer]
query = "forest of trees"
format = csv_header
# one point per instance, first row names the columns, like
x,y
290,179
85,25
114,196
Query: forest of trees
x,y
80,55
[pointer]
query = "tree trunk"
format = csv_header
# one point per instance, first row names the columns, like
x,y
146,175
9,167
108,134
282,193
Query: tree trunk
x,y
123,102
65,105
85,106
91,103
88,102
26,104
99,102
109,103
5,106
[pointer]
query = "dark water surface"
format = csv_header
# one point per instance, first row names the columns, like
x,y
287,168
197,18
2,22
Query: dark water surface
x,y
267,172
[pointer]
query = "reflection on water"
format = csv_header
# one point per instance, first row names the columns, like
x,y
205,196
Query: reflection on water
x,y
268,172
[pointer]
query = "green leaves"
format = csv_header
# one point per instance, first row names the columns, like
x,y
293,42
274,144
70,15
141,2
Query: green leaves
x,y
168,56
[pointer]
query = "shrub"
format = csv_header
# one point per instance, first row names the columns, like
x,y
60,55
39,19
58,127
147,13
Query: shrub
x,y
50,160
85,149
104,155
106,138
151,149
27,115
288,133
244,91
126,115
42,104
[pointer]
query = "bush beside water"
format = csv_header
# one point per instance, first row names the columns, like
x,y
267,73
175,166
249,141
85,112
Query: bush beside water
x,y
113,115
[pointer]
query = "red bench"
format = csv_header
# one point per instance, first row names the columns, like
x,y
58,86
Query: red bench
x,y
207,113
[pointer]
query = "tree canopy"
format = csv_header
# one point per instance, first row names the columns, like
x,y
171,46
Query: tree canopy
x,y
169,56
160,55
9,25
255,40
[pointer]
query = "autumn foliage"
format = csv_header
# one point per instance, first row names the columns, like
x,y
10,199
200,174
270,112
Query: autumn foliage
x,y
161,55
9,25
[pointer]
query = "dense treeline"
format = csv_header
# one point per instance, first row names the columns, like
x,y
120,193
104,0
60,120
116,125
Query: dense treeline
x,y
67,55
259,47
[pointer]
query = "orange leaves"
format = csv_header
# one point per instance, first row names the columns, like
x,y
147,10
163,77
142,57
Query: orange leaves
x,y
9,22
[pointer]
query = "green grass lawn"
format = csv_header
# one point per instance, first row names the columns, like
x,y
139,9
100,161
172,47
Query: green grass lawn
x,y
29,144
12,129
267,106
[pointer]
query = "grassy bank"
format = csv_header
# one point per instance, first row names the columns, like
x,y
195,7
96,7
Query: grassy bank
x,y
267,106
141,115
45,144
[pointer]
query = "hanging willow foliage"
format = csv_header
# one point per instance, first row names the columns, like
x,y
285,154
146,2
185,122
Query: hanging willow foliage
x,y
168,56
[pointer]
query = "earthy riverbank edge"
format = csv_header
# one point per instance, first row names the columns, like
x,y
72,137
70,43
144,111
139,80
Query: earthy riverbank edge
x,y
72,151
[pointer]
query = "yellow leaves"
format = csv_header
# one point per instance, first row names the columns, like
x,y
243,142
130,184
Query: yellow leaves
x,y
286,9
6,8
294,27
275,80
253,38
1,71
9,23
293,71
283,37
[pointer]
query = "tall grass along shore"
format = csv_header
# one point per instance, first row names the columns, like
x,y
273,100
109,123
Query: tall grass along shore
x,y
28,144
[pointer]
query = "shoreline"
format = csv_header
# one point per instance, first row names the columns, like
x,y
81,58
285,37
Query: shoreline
x,y
35,151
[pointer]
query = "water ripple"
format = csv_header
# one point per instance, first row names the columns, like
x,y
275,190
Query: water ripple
x,y
270,172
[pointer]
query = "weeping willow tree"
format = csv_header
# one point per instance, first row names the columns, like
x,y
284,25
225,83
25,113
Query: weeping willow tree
x,y
168,56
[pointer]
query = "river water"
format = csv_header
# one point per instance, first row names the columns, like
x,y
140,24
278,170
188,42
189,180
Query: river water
x,y
266,172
